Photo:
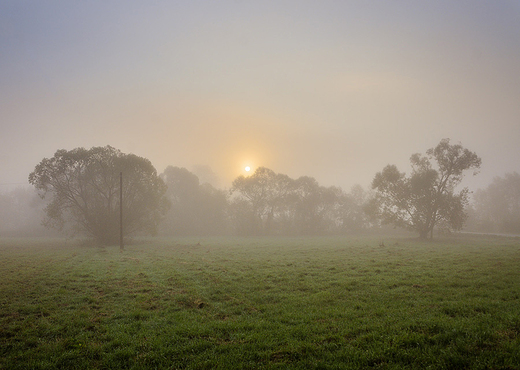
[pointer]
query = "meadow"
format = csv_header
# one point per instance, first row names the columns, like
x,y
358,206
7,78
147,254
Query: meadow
x,y
261,303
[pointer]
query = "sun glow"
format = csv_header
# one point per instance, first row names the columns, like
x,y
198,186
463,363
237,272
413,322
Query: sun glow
x,y
247,168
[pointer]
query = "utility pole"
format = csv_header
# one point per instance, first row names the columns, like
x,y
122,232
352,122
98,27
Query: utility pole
x,y
121,245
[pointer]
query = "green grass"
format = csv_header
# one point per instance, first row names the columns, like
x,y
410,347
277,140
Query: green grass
x,y
319,303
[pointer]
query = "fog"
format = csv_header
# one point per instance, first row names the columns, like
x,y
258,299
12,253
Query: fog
x,y
335,90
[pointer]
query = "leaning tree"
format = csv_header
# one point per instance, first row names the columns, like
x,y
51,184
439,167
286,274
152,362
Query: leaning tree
x,y
83,188
428,197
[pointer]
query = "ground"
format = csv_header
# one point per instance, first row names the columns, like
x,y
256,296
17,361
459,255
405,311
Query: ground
x,y
205,303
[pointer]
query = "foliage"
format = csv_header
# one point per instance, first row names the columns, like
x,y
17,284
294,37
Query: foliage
x,y
84,185
497,207
197,209
268,203
262,303
264,196
427,198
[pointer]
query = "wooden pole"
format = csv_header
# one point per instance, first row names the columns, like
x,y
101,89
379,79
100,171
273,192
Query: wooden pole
x,y
121,245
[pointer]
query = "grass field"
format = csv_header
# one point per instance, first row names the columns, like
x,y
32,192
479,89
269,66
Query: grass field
x,y
318,303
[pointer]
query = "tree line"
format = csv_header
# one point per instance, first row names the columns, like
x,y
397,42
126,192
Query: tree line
x,y
265,203
79,195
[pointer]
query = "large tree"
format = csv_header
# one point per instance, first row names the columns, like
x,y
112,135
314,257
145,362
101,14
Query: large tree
x,y
428,197
83,188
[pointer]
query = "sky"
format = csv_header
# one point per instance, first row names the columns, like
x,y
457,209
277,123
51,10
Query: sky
x,y
335,90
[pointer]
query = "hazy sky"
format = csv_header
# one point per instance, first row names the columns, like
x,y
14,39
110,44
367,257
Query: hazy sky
x,y
331,89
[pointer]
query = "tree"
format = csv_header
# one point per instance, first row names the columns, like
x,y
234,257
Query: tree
x,y
21,210
83,187
427,198
497,207
182,192
317,207
352,215
196,209
258,192
271,203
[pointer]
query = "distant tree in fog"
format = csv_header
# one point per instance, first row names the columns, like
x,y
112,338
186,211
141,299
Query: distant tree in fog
x,y
497,207
206,175
21,212
352,214
316,206
258,191
427,198
196,209
82,188
269,203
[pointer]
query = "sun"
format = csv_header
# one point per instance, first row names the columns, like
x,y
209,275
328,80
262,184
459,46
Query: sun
x,y
247,168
